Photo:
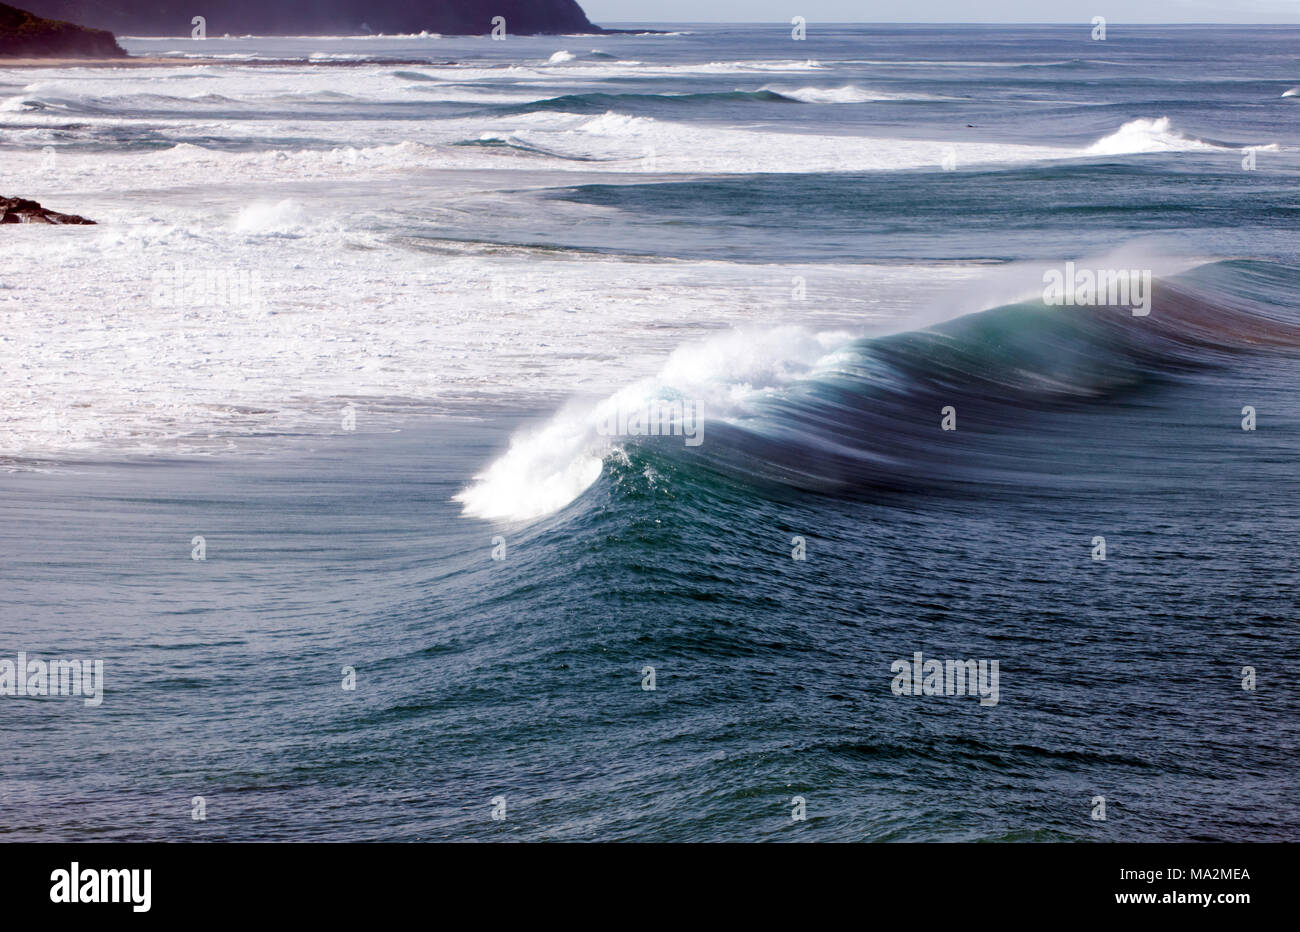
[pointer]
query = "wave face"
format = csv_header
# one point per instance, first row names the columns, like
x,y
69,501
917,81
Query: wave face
x,y
872,416
847,417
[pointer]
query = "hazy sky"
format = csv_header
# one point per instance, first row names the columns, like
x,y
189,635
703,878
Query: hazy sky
x,y
944,11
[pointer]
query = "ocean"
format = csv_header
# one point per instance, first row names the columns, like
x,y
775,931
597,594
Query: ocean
x,y
583,438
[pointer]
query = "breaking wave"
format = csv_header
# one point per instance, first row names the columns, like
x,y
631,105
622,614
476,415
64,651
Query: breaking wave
x,y
832,414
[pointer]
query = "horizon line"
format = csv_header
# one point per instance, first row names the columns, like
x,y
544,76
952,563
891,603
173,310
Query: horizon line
x,y
899,22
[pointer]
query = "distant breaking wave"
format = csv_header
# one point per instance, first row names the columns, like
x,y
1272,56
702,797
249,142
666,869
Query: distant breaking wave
x,y
1146,135
848,94
563,57
601,102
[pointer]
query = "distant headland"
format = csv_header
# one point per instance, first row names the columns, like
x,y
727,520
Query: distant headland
x,y
27,35
322,17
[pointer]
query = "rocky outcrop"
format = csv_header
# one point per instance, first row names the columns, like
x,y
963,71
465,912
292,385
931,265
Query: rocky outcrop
x,y
27,35
321,17
17,210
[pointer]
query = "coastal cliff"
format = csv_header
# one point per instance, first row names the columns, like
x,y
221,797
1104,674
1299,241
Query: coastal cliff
x,y
322,17
27,35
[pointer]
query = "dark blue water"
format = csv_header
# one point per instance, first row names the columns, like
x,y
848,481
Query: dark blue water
x,y
522,678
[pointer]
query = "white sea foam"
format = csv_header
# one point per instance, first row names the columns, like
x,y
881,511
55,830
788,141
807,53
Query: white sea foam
x,y
286,216
611,142
90,362
259,176
618,124
170,104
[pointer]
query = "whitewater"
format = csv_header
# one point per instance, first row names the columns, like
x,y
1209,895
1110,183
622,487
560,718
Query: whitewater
x,y
310,175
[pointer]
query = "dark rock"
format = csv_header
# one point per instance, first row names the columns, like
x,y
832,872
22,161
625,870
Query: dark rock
x,y
26,35
322,17
17,210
